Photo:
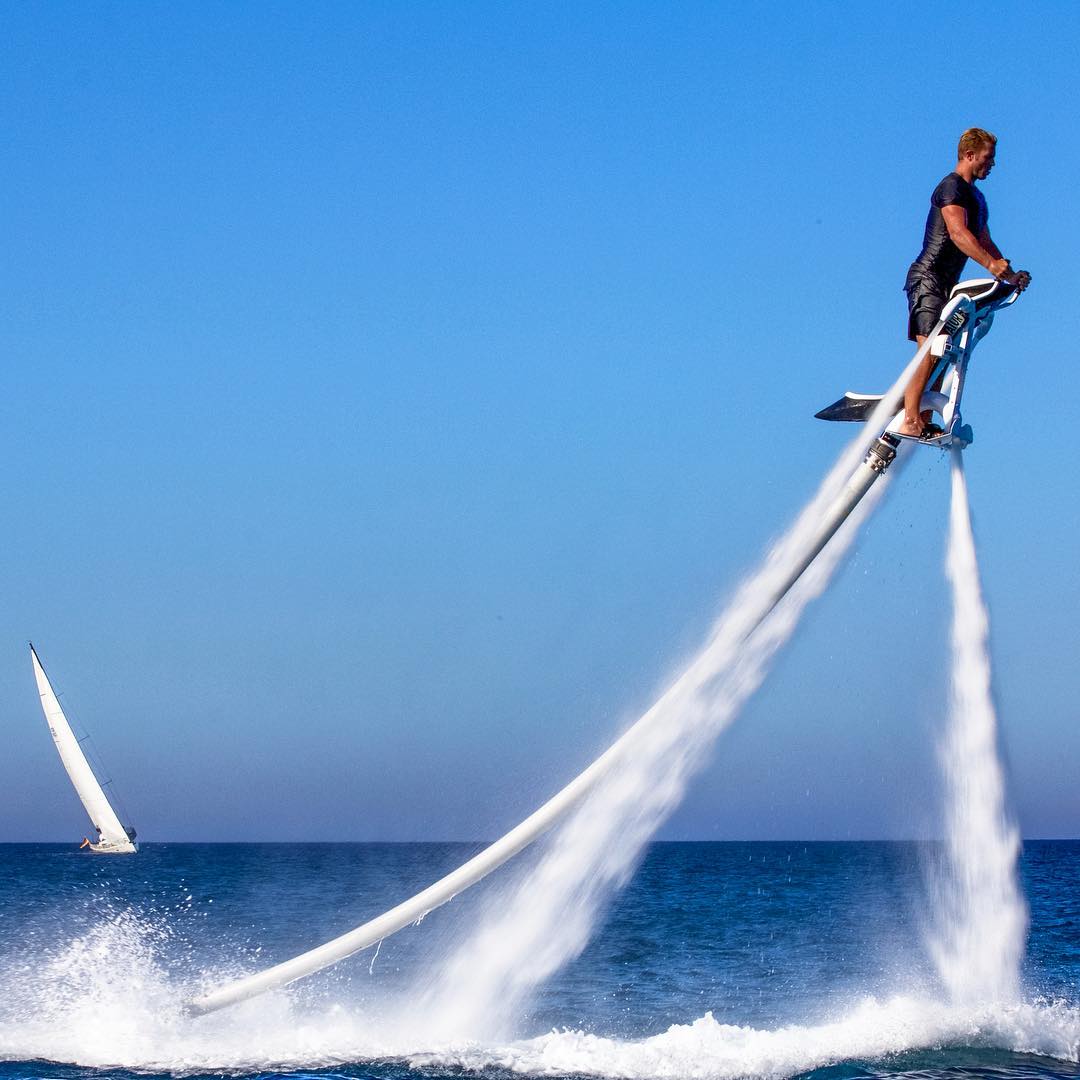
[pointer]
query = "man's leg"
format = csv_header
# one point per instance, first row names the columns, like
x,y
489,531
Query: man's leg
x,y
913,418
925,305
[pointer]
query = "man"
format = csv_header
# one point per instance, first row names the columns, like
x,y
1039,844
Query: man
x,y
956,230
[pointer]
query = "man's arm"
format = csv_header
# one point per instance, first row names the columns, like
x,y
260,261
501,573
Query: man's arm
x,y
989,245
959,233
1020,278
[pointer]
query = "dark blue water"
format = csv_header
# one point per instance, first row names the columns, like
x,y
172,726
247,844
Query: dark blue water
x,y
717,960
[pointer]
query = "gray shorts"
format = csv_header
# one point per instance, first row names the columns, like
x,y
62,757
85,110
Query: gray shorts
x,y
926,299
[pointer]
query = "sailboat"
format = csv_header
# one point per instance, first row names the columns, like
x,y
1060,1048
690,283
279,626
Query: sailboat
x,y
113,838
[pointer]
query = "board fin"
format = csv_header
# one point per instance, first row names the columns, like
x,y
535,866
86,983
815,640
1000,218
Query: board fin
x,y
852,408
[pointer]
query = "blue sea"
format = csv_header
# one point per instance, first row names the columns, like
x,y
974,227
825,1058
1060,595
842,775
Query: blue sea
x,y
716,960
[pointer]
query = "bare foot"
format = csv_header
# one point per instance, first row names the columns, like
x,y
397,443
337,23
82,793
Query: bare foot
x,y
911,427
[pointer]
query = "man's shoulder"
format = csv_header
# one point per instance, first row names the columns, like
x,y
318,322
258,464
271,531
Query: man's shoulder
x,y
952,190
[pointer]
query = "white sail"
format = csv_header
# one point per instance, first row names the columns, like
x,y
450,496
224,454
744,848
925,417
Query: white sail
x,y
112,836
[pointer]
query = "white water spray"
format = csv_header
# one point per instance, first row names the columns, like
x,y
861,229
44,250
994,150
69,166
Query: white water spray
x,y
979,942
546,919
787,565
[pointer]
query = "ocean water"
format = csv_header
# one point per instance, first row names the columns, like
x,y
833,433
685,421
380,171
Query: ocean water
x,y
716,960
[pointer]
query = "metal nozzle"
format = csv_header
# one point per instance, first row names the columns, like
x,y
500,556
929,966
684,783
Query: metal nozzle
x,y
881,453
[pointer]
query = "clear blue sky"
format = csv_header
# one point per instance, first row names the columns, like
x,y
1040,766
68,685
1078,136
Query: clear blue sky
x,y
394,393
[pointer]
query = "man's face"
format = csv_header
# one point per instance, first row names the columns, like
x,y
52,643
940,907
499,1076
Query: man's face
x,y
982,161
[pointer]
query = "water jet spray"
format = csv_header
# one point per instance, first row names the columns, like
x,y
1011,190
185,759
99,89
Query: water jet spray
x,y
964,321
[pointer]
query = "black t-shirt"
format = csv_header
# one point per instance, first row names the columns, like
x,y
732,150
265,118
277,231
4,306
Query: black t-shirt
x,y
940,262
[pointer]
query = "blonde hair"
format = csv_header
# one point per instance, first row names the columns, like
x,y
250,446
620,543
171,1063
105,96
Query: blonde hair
x,y
974,139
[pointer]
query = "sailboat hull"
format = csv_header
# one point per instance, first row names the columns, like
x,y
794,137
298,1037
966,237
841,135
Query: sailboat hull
x,y
106,848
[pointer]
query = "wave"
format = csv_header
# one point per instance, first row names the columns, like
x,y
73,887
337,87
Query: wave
x,y
111,999
709,1050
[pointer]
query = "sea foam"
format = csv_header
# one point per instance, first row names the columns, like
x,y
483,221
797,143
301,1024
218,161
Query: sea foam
x,y
104,1000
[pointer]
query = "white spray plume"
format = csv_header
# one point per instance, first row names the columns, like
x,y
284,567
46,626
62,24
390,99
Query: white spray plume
x,y
978,941
547,917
